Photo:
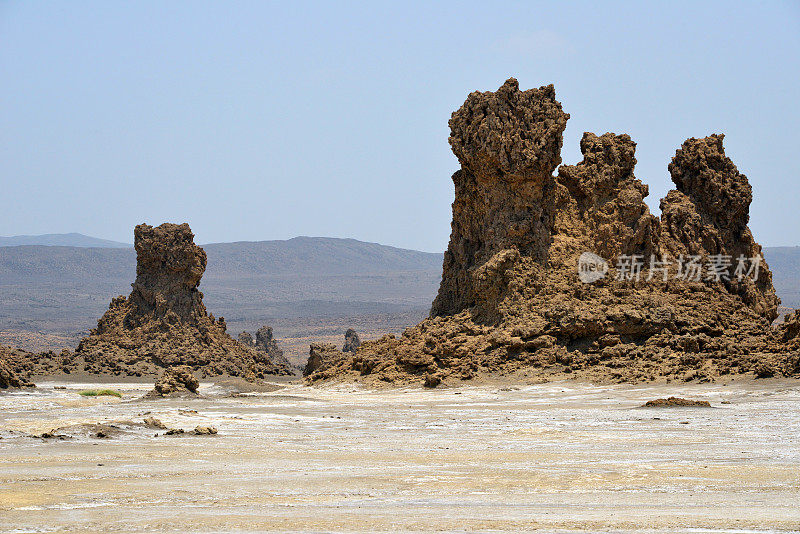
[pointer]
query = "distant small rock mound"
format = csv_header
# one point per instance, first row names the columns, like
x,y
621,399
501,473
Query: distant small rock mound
x,y
351,341
673,402
265,344
176,381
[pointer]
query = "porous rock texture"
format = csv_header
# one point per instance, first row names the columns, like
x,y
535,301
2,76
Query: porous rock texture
x,y
708,214
10,376
163,322
321,355
511,301
176,381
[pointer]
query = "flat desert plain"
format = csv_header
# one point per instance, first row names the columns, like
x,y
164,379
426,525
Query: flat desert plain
x,y
555,457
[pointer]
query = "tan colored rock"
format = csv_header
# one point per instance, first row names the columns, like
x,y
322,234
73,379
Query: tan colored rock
x,y
609,198
152,422
319,355
163,322
504,189
10,379
709,213
176,381
13,368
511,301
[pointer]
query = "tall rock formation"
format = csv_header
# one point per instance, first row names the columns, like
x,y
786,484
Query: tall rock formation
x,y
504,189
351,341
708,214
163,322
246,339
512,299
602,201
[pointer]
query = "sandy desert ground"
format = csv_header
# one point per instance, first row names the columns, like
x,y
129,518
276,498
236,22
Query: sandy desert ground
x,y
558,457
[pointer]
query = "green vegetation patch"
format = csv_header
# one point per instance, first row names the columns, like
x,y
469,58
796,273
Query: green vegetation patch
x,y
100,393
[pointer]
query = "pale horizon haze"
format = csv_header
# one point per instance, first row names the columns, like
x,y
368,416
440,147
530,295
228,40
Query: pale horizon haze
x,y
258,120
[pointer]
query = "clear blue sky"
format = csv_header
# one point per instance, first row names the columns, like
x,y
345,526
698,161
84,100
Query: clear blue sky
x,y
256,120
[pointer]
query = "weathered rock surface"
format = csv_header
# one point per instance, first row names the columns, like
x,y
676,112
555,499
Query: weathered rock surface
x,y
351,341
163,322
511,301
176,381
676,402
9,376
10,379
504,188
321,355
708,215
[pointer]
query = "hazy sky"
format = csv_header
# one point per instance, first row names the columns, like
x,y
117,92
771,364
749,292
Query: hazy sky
x,y
261,120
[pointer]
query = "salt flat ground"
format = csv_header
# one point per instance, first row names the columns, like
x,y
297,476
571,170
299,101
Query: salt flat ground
x,y
558,457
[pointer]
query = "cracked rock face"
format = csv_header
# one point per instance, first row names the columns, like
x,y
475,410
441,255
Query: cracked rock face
x,y
163,322
511,301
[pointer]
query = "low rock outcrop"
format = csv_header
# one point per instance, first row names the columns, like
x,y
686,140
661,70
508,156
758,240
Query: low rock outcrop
x,y
321,355
176,381
9,376
10,379
163,322
569,275
676,402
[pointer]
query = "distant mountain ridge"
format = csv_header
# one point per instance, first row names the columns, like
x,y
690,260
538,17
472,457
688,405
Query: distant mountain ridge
x,y
299,256
60,289
66,289
61,240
